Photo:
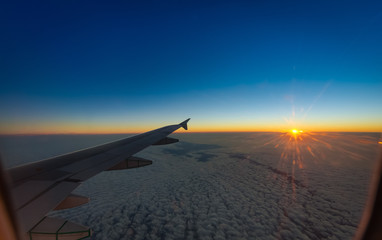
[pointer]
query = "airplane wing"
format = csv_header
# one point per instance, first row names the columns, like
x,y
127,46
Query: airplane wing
x,y
42,186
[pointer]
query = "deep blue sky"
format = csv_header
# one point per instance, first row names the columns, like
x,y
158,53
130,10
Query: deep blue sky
x,y
79,67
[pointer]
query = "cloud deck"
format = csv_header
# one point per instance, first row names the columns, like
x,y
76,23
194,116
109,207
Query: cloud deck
x,y
231,190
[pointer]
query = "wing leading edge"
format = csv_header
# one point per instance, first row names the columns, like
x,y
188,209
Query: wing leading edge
x,y
40,187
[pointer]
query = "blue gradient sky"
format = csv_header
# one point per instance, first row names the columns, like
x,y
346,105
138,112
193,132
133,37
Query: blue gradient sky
x,y
77,67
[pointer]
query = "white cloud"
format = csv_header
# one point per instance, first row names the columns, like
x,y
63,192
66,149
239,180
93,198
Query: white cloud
x,y
239,193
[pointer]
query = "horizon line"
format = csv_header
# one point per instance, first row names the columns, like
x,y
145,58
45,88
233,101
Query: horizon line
x,y
181,132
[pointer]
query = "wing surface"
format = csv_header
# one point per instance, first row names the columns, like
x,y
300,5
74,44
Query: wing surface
x,y
39,187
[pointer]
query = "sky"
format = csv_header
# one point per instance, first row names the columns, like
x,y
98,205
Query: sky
x,y
131,66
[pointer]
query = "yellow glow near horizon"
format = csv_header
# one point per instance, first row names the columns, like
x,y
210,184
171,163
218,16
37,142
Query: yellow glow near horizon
x,y
120,127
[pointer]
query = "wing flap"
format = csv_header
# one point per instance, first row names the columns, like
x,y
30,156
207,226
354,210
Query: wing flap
x,y
31,213
26,192
73,200
57,228
166,140
131,162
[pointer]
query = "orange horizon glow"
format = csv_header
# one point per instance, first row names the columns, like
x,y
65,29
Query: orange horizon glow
x,y
141,129
36,128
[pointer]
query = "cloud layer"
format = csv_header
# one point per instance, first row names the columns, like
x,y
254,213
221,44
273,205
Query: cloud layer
x,y
233,186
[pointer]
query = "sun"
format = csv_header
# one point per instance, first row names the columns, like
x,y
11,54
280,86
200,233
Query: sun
x,y
296,134
296,131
